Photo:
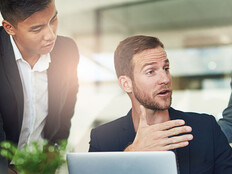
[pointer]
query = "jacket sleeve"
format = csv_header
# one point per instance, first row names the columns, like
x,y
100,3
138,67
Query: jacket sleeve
x,y
226,122
93,144
67,112
222,151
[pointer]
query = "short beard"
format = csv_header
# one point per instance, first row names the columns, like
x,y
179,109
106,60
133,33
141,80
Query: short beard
x,y
152,105
147,102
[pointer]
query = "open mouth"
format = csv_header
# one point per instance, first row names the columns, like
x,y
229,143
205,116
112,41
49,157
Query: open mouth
x,y
164,92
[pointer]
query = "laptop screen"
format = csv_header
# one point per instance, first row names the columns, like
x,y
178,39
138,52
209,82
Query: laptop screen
x,y
159,162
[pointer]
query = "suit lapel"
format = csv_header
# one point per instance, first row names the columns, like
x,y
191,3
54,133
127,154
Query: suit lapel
x,y
182,155
12,74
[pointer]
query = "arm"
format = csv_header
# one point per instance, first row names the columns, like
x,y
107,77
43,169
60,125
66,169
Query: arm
x,y
72,55
226,122
222,151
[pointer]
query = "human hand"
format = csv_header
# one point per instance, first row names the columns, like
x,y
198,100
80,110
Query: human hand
x,y
160,137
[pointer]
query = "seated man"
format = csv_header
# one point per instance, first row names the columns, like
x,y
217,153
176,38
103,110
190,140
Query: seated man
x,y
142,68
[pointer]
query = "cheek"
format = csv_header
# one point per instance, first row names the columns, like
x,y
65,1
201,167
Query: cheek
x,y
29,41
31,37
33,43
36,42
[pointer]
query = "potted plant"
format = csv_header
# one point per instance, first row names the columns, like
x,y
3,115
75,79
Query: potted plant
x,y
35,158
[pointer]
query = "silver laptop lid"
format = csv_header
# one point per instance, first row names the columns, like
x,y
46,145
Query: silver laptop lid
x,y
160,162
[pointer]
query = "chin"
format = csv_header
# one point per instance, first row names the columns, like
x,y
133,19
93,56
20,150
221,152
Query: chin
x,y
164,106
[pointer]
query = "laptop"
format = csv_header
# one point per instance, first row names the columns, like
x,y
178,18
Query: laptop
x,y
159,162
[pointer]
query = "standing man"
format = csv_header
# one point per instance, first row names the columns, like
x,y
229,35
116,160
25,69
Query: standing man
x,y
143,73
38,73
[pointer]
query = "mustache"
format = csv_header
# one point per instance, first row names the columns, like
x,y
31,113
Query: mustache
x,y
163,89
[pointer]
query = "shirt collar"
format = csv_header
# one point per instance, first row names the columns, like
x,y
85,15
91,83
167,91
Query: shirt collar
x,y
41,65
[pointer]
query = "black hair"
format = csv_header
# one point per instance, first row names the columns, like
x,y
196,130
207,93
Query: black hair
x,y
15,11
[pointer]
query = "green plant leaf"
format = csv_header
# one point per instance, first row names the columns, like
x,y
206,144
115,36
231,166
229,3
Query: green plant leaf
x,y
35,157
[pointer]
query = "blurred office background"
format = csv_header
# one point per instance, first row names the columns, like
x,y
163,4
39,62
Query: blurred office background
x,y
197,35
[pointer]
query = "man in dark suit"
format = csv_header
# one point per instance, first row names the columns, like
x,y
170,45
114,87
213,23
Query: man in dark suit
x,y
142,68
38,74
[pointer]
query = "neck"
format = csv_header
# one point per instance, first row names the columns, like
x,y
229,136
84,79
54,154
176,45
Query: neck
x,y
31,60
153,116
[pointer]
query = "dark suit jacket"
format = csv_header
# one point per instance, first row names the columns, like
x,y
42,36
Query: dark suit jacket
x,y
208,153
62,90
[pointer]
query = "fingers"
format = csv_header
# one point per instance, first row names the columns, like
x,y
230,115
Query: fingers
x,y
158,127
177,131
161,136
163,144
176,146
168,125
177,141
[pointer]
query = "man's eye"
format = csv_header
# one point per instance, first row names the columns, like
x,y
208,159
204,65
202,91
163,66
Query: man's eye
x,y
37,30
166,69
149,72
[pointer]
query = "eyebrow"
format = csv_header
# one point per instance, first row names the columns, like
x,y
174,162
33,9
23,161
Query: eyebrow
x,y
38,26
153,63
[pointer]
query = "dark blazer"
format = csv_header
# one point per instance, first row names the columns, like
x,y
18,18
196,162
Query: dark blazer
x,y
62,90
208,152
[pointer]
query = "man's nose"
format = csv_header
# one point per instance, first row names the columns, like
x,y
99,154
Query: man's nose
x,y
50,34
164,77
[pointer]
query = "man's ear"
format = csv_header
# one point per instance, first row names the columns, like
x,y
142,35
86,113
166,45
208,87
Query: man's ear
x,y
9,28
125,83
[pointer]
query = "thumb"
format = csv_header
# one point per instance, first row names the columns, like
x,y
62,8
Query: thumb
x,y
143,118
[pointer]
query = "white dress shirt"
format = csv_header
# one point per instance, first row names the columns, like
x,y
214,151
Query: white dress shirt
x,y
35,90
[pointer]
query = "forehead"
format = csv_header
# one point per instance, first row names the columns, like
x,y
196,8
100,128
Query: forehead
x,y
154,55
